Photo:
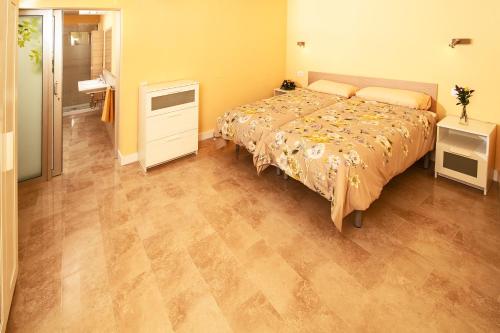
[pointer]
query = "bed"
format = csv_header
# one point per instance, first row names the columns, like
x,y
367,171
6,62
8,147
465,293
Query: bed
x,y
246,125
348,151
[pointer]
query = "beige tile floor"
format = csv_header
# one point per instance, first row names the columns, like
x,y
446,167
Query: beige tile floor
x,y
203,244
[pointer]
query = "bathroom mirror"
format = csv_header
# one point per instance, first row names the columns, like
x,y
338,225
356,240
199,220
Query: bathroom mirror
x,y
79,38
108,40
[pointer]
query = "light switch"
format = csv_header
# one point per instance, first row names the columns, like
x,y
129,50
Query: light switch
x,y
300,73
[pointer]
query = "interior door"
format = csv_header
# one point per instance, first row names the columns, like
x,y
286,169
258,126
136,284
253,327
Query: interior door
x,y
8,178
35,93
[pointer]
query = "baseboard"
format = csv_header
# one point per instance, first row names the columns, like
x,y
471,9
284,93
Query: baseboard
x,y
132,158
206,135
128,159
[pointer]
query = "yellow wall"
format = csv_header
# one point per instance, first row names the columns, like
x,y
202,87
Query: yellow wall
x,y
235,48
403,40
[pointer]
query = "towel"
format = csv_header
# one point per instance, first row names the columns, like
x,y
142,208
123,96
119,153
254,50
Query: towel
x,y
108,109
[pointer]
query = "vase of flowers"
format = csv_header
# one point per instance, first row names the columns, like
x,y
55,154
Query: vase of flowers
x,y
463,94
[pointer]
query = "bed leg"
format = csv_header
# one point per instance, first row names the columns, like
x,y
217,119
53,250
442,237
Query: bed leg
x,y
358,218
237,151
278,171
427,160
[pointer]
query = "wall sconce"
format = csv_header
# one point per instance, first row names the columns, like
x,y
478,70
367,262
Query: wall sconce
x,y
460,41
301,44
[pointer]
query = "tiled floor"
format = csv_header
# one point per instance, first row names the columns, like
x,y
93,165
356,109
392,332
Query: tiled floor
x,y
205,245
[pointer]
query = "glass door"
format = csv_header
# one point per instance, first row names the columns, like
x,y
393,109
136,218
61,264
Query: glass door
x,y
35,92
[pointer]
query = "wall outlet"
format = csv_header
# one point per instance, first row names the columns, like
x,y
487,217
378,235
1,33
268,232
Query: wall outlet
x,y
301,73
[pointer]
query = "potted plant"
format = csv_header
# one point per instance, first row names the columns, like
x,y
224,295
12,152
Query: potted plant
x,y
463,94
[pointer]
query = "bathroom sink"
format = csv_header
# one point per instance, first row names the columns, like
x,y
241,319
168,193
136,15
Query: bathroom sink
x,y
90,86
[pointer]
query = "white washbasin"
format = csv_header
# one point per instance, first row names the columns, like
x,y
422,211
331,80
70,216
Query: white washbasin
x,y
90,86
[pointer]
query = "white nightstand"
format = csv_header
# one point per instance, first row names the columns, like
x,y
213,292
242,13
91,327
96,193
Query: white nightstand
x,y
466,153
279,91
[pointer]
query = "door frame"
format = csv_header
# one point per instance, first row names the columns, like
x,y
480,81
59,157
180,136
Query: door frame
x,y
9,263
119,28
56,116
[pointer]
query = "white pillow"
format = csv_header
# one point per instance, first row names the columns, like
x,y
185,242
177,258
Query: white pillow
x,y
407,98
334,88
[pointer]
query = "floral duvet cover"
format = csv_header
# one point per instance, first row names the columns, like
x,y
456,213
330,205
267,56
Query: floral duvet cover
x,y
347,152
246,125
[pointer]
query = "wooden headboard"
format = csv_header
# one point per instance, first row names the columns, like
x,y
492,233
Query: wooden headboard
x,y
430,89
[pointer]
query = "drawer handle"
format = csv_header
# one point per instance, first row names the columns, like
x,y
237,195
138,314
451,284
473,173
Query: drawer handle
x,y
175,115
177,137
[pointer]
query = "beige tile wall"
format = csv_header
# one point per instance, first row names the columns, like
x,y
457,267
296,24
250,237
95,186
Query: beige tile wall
x,y
97,54
108,49
76,65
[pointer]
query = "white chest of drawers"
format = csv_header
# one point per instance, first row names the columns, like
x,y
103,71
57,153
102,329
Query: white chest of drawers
x,y
168,121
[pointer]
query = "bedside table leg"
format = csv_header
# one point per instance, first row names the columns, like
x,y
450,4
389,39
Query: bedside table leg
x,y
427,161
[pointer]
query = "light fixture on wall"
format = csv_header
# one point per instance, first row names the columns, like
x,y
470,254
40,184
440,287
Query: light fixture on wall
x,y
301,44
460,41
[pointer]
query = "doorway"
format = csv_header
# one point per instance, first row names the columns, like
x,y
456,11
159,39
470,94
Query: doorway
x,y
58,51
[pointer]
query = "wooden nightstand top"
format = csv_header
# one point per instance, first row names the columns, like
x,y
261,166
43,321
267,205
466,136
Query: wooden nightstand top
x,y
475,126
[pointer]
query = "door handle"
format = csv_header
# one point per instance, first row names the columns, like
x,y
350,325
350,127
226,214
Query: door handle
x,y
56,88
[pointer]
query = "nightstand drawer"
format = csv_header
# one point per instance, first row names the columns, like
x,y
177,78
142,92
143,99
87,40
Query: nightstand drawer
x,y
469,168
459,163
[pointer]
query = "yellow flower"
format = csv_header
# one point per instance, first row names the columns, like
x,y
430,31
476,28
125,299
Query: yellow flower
x,y
317,138
370,117
339,123
249,111
355,181
294,168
